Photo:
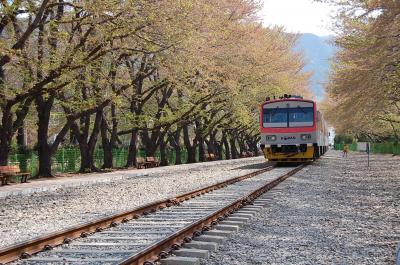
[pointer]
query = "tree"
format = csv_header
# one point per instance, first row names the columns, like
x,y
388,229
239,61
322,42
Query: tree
x,y
163,72
364,86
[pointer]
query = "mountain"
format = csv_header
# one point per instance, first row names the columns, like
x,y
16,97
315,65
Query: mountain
x,y
317,51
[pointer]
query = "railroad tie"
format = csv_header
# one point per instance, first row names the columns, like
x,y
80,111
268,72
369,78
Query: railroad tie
x,y
192,253
180,261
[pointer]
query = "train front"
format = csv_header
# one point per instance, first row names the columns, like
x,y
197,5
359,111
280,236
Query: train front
x,y
288,129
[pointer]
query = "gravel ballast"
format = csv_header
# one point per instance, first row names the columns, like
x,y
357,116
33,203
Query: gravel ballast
x,y
24,217
335,211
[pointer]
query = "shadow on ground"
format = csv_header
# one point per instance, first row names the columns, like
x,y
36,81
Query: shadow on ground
x,y
254,166
266,164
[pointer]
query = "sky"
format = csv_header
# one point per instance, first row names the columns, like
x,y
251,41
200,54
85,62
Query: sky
x,y
299,16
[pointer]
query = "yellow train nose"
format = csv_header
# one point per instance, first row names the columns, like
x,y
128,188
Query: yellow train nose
x,y
308,155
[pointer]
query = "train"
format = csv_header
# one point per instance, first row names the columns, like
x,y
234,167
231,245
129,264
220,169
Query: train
x,y
292,129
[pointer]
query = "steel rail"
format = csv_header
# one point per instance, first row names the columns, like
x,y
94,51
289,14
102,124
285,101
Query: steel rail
x,y
26,248
159,249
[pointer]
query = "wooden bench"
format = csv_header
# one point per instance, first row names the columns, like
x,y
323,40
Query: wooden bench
x,y
151,161
210,157
6,172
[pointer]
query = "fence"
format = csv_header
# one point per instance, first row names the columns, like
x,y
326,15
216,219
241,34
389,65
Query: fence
x,y
67,160
379,148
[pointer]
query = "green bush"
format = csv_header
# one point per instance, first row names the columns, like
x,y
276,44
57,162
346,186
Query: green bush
x,y
378,148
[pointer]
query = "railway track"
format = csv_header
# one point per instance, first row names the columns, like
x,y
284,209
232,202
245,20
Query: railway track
x,y
151,232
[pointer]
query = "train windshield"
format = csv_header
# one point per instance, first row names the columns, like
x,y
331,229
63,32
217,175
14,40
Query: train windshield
x,y
301,117
275,117
291,116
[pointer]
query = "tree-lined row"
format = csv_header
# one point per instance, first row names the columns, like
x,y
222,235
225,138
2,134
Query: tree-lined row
x,y
181,73
365,85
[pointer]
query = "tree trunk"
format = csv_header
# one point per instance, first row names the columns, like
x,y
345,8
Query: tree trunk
x,y
163,153
45,149
5,136
234,151
225,142
8,126
44,161
109,143
191,150
200,141
191,155
21,140
4,153
72,138
219,151
86,158
108,157
107,146
253,146
175,143
242,146
150,143
43,108
178,155
212,144
214,147
202,151
87,147
132,151
22,149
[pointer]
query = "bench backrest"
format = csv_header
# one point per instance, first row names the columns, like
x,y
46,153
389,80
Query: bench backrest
x,y
10,169
150,159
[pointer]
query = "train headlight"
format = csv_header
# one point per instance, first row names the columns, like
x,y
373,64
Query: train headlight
x,y
271,137
305,136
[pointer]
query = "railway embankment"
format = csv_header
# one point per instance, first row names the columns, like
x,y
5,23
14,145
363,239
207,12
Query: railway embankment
x,y
335,211
43,207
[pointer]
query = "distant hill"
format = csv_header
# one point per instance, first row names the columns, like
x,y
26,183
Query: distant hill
x,y
318,51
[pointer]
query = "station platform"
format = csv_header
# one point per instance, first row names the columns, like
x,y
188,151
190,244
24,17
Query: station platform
x,y
70,180
76,180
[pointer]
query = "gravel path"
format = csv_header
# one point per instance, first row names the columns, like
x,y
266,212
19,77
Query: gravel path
x,y
335,211
27,216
